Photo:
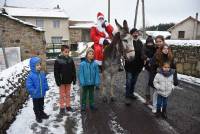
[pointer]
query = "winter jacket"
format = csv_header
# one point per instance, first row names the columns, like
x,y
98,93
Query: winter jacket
x,y
164,84
147,53
64,70
36,82
89,73
154,66
136,65
98,37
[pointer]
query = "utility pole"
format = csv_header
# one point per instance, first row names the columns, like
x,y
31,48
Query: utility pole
x,y
5,3
109,11
143,18
136,12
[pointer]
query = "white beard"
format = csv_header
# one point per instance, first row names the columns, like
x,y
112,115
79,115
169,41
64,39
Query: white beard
x,y
100,28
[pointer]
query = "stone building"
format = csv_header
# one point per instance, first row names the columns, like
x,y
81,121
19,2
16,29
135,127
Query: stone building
x,y
188,29
17,33
55,22
79,32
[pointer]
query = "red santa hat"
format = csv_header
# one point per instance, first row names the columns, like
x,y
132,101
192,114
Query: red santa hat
x,y
100,15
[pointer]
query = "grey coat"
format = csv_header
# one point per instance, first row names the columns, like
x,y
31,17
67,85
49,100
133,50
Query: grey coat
x,y
164,84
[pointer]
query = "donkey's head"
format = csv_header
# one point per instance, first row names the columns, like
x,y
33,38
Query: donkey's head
x,y
127,40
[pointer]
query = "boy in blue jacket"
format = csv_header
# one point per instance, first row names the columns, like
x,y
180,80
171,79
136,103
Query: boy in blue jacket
x,y
36,84
88,78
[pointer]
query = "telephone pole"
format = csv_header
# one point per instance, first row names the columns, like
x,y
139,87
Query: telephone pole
x,y
143,18
136,12
109,11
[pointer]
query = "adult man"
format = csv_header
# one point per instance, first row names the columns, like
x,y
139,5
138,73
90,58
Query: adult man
x,y
134,67
100,34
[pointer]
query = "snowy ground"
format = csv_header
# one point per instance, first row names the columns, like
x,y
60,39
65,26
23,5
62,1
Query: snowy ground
x,y
25,121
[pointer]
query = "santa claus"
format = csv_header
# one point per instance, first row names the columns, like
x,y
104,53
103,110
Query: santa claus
x,y
101,35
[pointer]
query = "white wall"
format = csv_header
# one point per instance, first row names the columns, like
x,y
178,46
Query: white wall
x,y
188,27
50,31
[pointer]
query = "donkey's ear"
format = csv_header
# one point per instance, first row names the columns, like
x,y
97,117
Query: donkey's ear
x,y
125,26
118,25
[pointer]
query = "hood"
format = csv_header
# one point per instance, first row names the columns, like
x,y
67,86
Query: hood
x,y
166,74
33,62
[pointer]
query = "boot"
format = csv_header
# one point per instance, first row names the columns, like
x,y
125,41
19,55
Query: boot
x,y
38,117
158,113
147,100
69,109
164,113
83,108
62,111
44,115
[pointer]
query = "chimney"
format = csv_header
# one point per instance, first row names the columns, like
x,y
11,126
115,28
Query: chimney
x,y
197,15
195,27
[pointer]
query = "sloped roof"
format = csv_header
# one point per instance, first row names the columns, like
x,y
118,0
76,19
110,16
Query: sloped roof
x,y
36,12
81,24
22,22
188,18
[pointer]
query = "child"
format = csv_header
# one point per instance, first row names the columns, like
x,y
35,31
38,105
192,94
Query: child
x,y
163,82
36,84
65,74
148,52
89,78
159,42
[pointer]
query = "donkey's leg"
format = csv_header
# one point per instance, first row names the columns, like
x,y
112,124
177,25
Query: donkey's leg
x,y
112,96
104,81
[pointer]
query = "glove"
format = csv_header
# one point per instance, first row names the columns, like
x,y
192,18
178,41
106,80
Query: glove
x,y
74,82
106,42
104,24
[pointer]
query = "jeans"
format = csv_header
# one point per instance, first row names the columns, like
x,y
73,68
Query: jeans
x,y
131,79
161,102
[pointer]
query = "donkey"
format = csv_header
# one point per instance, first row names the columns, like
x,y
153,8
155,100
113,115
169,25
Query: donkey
x,y
120,48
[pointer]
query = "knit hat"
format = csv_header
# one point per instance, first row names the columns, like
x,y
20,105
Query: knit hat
x,y
89,50
100,15
133,30
149,40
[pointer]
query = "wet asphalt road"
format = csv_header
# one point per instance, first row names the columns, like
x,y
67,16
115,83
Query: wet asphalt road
x,y
116,117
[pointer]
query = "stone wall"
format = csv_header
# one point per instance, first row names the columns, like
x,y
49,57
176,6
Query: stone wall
x,y
75,35
79,35
12,104
16,34
187,59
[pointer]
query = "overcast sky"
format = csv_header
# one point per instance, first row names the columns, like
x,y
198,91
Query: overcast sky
x,y
157,11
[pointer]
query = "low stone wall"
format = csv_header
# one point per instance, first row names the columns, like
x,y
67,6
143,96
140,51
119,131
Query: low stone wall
x,y
187,59
10,108
12,104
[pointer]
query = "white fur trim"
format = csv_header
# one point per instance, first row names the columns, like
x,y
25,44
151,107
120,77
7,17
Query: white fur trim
x,y
101,41
98,62
100,17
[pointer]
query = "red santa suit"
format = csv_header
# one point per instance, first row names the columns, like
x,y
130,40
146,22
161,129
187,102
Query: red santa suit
x,y
98,34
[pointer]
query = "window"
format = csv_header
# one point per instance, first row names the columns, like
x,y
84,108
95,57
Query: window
x,y
39,22
56,23
181,34
56,40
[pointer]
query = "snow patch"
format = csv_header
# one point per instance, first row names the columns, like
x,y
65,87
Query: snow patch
x,y
189,79
11,78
